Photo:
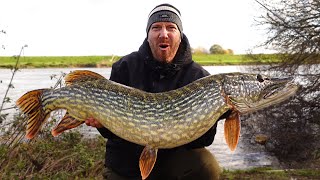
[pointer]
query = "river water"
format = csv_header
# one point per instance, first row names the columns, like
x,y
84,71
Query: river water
x,y
30,79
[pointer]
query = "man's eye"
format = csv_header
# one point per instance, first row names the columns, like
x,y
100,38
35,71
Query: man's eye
x,y
155,27
171,29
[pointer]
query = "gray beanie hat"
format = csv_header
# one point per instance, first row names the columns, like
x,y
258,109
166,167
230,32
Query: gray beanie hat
x,y
165,13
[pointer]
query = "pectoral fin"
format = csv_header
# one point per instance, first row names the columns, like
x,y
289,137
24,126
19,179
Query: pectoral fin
x,y
67,122
232,130
147,160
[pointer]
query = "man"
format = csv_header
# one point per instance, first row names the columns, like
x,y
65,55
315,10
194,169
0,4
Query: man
x,y
162,63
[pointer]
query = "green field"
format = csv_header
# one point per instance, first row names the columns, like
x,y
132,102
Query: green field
x,y
58,61
227,59
107,61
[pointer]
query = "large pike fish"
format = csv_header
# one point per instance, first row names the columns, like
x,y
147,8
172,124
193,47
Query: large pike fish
x,y
155,120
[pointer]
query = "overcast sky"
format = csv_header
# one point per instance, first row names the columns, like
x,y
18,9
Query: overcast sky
x,y
117,27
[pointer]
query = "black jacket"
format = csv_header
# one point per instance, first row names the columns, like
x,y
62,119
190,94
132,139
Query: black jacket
x,y
141,71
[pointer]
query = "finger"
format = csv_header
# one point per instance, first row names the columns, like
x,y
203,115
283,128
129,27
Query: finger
x,y
98,124
90,119
87,122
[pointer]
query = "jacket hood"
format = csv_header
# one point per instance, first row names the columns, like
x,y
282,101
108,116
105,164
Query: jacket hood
x,y
182,58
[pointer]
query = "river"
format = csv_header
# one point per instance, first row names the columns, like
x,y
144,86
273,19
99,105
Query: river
x,y
30,79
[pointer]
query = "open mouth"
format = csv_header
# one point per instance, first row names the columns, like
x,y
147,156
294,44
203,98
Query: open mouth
x,y
163,46
278,95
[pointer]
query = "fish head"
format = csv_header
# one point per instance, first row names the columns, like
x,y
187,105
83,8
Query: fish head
x,y
251,92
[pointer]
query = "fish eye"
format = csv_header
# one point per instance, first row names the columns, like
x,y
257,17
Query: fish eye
x,y
260,78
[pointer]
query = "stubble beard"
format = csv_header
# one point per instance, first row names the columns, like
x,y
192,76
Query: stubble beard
x,y
165,56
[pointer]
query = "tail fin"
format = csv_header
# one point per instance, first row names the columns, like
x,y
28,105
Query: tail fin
x,y
30,104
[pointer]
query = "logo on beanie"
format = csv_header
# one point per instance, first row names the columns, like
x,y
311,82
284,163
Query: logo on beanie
x,y
164,16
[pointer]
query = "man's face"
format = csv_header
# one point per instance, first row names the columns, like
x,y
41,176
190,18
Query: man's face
x,y
164,40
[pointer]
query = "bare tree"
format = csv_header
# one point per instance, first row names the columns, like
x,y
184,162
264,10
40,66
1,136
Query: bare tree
x,y
293,30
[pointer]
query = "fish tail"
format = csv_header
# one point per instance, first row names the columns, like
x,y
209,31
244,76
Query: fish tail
x,y
31,105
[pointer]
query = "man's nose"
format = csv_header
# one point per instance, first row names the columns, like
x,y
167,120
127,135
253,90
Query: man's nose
x,y
163,33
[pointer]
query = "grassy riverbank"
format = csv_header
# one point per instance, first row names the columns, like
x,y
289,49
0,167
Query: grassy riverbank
x,y
271,174
72,157
107,61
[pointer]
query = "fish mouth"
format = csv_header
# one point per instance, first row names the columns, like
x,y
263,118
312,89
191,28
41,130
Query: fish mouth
x,y
276,95
280,86
272,95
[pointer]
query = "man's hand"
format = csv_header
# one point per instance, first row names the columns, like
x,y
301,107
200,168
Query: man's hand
x,y
93,122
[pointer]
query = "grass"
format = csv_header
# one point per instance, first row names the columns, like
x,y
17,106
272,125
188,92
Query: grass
x,y
271,174
73,157
58,61
68,157
228,59
107,61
